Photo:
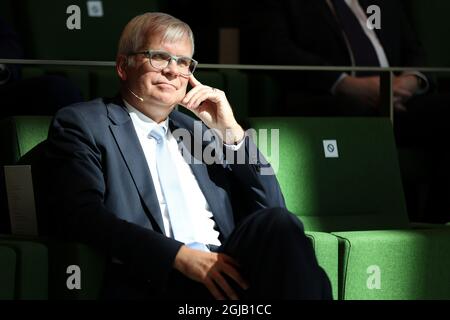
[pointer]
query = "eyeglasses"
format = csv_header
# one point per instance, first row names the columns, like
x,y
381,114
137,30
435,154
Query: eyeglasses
x,y
161,59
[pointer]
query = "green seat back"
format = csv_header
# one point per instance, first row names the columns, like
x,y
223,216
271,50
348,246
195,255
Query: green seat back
x,y
395,264
20,134
326,249
358,195
31,270
236,86
79,76
265,94
35,282
32,72
47,36
359,190
104,82
91,264
429,20
7,272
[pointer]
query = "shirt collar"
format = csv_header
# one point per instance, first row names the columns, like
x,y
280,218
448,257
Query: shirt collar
x,y
142,122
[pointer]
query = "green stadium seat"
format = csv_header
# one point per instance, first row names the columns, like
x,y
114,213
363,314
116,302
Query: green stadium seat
x,y
8,262
211,78
265,94
326,248
20,140
236,88
18,135
104,82
32,72
90,262
429,21
358,197
395,264
77,75
31,270
96,39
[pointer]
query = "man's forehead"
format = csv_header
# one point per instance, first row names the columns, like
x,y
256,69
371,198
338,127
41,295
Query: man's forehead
x,y
182,45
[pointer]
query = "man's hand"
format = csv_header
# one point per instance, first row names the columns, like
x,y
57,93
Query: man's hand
x,y
209,268
212,107
365,90
404,87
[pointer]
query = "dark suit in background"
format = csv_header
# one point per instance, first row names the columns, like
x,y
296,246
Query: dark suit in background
x,y
307,32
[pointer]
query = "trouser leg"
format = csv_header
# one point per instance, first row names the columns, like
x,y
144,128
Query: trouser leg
x,y
277,258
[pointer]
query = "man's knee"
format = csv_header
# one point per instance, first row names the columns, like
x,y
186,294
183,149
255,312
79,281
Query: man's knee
x,y
280,219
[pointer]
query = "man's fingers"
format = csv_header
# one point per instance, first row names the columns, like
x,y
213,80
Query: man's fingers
x,y
400,107
223,284
211,286
402,93
230,268
191,93
193,81
236,276
198,98
229,260
205,93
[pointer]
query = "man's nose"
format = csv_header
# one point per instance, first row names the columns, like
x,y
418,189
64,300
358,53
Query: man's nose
x,y
171,68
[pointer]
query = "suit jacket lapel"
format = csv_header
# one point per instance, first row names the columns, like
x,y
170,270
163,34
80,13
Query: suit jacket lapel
x,y
381,34
125,135
327,11
208,187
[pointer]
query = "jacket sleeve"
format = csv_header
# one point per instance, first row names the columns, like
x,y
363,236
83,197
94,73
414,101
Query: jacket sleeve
x,y
256,185
268,38
412,51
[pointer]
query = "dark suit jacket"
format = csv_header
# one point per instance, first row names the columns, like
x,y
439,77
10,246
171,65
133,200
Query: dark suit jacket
x,y
103,192
306,32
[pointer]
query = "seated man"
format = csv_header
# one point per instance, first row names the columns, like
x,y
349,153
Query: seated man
x,y
127,179
335,33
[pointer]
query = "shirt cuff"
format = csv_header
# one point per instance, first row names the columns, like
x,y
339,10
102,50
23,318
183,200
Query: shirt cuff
x,y
333,88
425,84
198,246
234,147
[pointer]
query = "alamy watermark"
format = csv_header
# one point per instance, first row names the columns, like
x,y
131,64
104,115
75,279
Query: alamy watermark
x,y
73,281
374,278
374,20
206,146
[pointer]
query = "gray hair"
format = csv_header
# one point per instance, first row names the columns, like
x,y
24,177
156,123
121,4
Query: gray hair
x,y
151,24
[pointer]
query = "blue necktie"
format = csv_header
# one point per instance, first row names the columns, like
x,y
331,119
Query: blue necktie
x,y
361,46
177,205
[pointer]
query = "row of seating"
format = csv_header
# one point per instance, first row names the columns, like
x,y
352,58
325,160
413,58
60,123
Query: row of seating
x,y
101,23
98,36
350,201
38,263
39,269
357,198
24,269
96,82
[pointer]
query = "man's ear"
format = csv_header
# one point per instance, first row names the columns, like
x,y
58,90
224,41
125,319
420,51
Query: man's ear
x,y
121,67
